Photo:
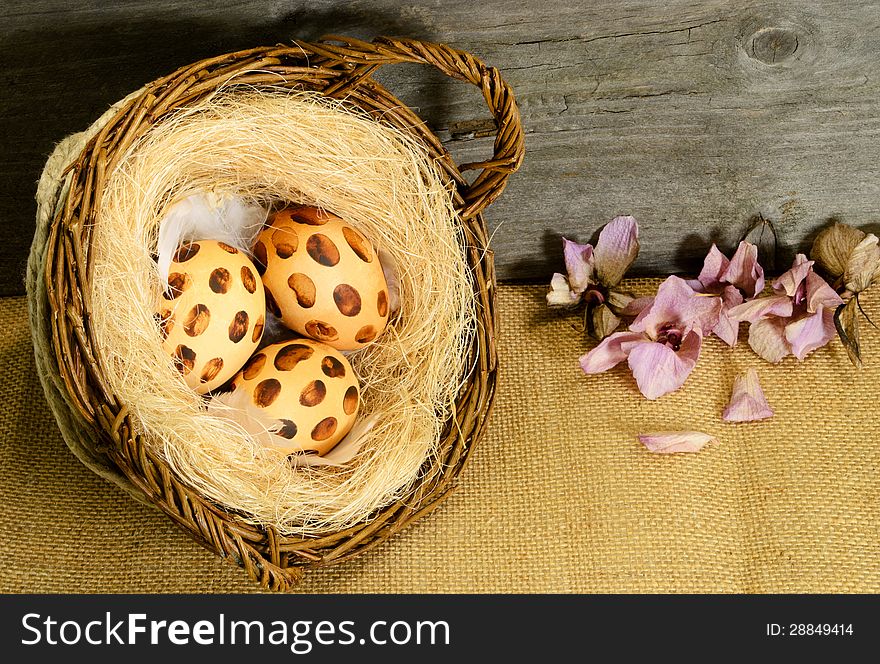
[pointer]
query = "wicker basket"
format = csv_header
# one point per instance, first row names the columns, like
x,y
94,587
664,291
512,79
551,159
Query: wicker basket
x,y
97,426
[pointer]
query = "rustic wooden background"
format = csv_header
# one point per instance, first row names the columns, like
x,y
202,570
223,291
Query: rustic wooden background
x,y
696,116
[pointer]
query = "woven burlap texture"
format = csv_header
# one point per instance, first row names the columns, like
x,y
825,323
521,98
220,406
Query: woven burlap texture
x,y
559,497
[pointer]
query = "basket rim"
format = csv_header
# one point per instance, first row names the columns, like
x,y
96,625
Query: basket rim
x,y
272,559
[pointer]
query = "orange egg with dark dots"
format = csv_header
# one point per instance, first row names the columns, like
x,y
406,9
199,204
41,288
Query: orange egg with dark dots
x,y
309,387
322,277
212,314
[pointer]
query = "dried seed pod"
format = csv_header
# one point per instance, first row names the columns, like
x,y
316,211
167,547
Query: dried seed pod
x,y
846,320
604,322
863,265
833,246
763,235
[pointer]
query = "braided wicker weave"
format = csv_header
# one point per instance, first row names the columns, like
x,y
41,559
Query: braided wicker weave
x,y
98,427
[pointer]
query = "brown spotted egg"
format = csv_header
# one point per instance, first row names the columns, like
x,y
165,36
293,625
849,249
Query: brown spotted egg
x,y
309,387
323,278
212,314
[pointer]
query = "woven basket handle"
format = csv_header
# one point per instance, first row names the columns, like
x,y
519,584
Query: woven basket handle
x,y
509,141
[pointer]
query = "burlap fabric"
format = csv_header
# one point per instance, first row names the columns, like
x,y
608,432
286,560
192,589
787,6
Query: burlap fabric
x,y
559,497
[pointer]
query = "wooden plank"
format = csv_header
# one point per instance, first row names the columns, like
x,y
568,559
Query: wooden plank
x,y
694,116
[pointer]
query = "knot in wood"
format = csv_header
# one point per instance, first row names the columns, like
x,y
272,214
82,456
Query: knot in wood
x,y
772,45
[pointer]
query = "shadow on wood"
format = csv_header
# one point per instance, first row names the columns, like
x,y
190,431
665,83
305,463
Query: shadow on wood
x,y
64,69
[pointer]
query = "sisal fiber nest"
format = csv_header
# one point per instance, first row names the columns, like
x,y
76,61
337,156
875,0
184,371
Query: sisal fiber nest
x,y
305,124
269,146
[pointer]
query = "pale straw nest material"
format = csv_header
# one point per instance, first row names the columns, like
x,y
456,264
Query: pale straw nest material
x,y
273,147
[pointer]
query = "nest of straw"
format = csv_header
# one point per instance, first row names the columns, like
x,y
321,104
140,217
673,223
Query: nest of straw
x,y
112,394
275,147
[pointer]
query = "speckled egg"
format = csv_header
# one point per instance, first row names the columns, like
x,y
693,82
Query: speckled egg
x,y
309,387
323,278
212,314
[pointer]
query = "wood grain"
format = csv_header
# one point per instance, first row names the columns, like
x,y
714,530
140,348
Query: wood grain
x,y
697,117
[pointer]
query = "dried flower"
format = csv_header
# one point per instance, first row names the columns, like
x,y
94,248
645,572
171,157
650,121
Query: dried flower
x,y
594,274
763,236
747,402
671,442
733,280
850,257
663,342
796,320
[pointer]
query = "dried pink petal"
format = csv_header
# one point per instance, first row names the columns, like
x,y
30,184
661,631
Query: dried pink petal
x,y
744,272
670,442
714,267
727,328
747,401
676,301
579,263
820,294
616,249
729,279
790,281
658,369
762,307
636,307
560,294
608,353
767,339
810,332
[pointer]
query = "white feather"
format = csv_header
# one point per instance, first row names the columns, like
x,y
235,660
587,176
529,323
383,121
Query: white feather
x,y
208,216
236,407
390,270
344,451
